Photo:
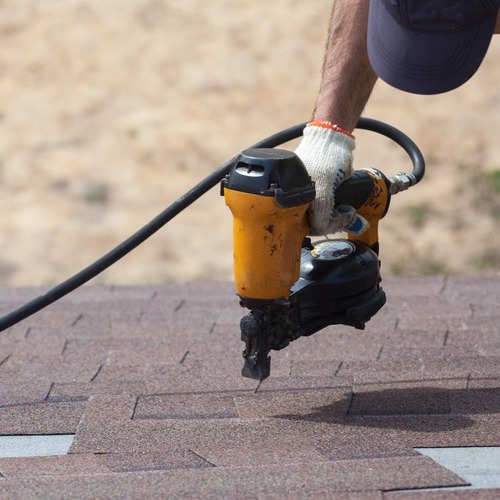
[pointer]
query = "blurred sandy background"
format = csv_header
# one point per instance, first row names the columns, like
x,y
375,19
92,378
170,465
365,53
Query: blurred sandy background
x,y
111,109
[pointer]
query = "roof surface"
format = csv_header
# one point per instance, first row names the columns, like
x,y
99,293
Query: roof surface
x,y
148,379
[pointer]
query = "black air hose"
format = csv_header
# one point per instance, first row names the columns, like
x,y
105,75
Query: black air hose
x,y
182,203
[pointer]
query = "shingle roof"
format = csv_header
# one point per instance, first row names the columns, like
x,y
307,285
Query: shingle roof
x,y
148,379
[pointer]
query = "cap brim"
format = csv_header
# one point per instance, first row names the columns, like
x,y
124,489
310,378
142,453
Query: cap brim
x,y
424,63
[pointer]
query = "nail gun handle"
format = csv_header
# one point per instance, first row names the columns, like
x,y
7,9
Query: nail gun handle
x,y
368,191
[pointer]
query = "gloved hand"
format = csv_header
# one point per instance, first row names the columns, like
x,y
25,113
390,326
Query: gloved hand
x,y
326,151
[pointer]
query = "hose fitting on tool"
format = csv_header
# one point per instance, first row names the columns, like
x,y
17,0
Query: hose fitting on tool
x,y
401,182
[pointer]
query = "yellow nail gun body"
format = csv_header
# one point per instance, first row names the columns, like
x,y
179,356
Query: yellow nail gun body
x,y
268,192
292,287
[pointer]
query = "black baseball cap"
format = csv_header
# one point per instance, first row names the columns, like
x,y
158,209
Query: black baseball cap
x,y
429,46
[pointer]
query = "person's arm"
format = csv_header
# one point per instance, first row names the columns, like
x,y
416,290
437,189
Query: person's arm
x,y
327,143
347,78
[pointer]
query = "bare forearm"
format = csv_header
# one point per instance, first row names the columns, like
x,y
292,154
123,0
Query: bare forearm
x,y
347,78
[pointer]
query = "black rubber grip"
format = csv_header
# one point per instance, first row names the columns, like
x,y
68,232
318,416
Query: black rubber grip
x,y
355,190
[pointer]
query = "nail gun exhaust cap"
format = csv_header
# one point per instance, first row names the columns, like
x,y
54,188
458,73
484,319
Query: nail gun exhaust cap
x,y
272,172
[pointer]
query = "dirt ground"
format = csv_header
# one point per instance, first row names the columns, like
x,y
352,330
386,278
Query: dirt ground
x,y
112,109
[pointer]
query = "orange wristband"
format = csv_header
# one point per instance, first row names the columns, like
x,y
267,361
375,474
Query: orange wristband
x,y
330,125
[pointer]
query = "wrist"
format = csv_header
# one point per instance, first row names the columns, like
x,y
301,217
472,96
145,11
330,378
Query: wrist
x,y
331,126
331,108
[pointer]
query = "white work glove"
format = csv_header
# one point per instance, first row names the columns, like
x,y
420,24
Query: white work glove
x,y
326,151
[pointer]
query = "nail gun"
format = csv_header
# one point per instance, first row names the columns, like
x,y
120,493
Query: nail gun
x,y
293,287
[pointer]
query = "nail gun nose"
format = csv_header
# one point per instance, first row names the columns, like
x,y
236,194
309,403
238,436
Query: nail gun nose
x,y
257,364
